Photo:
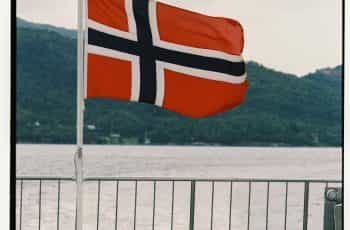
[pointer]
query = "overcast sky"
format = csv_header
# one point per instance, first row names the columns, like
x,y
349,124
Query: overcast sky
x,y
294,36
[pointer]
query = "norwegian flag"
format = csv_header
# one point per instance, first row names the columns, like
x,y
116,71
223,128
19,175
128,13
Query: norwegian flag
x,y
150,52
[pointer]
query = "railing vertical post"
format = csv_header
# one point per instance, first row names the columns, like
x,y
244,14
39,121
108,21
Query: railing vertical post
x,y
192,204
249,203
58,203
39,204
267,205
98,203
135,205
116,205
286,207
230,213
154,202
306,205
20,207
172,205
212,204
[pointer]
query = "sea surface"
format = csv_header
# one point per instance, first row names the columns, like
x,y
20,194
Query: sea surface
x,y
175,162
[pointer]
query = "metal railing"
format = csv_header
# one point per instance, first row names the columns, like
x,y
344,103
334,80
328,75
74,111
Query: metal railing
x,y
257,191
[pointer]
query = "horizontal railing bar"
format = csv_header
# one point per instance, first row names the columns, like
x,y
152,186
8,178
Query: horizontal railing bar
x,y
39,178
150,179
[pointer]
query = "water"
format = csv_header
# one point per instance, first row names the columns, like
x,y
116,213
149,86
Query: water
x,y
194,162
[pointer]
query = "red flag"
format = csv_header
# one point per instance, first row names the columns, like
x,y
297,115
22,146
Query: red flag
x,y
151,52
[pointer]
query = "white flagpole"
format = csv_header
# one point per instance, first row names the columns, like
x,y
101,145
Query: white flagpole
x,y
78,159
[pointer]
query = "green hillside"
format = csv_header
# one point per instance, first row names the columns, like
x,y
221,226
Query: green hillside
x,y
21,23
280,109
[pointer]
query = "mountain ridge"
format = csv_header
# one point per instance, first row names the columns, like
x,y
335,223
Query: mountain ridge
x,y
71,33
22,23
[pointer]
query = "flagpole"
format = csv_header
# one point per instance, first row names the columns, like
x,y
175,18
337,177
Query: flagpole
x,y
78,159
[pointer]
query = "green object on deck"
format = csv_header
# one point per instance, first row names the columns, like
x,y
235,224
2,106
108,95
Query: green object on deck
x,y
338,217
333,209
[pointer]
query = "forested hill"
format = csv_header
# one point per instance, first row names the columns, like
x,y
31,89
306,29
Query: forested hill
x,y
21,23
280,109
